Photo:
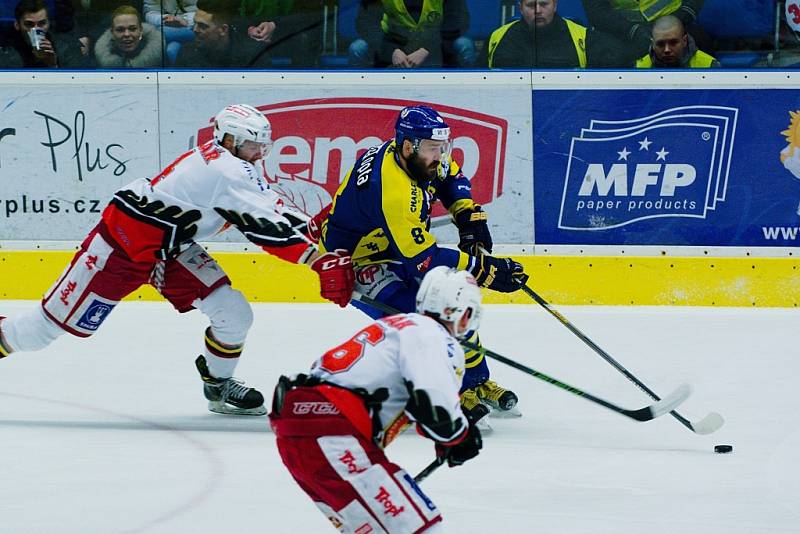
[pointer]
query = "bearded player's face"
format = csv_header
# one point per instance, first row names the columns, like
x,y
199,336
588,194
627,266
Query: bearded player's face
x,y
421,170
423,163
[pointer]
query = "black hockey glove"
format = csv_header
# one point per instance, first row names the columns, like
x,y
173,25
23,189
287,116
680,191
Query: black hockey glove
x,y
498,274
464,450
473,230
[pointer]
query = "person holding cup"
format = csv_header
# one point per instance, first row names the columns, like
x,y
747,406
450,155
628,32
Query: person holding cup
x,y
33,41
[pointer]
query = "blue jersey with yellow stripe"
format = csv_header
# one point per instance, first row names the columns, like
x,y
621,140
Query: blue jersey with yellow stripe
x,y
380,214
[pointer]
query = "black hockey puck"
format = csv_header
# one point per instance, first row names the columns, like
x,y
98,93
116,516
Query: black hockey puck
x,y
723,449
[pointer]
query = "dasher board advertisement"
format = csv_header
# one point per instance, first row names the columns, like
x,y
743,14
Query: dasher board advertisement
x,y
65,149
712,167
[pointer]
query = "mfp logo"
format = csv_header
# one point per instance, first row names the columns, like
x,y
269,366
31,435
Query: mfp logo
x,y
671,164
317,141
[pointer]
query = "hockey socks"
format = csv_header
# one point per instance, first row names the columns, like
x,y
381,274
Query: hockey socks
x,y
221,358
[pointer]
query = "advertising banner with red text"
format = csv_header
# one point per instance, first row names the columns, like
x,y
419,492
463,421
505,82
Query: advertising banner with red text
x,y
317,140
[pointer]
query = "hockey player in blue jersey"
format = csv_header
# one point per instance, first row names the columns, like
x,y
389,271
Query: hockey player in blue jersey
x,y
381,216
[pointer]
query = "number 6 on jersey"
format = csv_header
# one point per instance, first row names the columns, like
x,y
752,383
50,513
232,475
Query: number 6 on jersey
x,y
345,355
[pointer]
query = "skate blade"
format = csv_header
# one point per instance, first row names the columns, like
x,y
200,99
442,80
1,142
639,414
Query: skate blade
x,y
484,426
227,409
513,413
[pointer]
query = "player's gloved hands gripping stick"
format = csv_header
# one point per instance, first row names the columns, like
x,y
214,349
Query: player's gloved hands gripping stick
x,y
473,230
466,449
499,274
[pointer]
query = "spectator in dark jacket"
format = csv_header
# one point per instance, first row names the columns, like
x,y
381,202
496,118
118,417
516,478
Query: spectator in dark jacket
x,y
543,39
673,48
632,20
288,28
49,50
413,33
218,43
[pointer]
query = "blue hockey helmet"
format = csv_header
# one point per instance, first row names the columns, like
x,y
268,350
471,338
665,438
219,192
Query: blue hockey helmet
x,y
417,123
420,122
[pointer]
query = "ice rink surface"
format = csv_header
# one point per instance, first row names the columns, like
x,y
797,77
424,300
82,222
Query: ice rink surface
x,y
111,434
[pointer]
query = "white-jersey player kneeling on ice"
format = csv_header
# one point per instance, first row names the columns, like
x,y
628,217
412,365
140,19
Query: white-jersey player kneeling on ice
x,y
148,234
333,424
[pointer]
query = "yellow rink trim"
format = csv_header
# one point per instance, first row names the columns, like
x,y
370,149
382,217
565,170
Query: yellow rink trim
x,y
769,282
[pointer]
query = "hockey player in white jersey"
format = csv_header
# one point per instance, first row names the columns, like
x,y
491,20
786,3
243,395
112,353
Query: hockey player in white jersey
x,y
333,424
147,235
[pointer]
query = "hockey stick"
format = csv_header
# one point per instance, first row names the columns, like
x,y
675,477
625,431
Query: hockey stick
x,y
710,423
440,460
433,466
647,413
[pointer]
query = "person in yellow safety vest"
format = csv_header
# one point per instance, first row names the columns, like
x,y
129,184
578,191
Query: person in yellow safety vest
x,y
632,20
412,34
673,48
543,39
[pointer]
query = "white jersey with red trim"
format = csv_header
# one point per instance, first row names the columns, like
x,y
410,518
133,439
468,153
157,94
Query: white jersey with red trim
x,y
200,194
410,364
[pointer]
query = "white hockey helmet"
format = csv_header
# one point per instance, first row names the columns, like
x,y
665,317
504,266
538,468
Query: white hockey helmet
x,y
244,123
448,294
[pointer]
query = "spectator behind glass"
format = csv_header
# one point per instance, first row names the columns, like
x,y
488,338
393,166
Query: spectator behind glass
x,y
175,19
93,17
632,20
289,28
50,50
414,33
543,39
218,43
673,48
128,43
66,23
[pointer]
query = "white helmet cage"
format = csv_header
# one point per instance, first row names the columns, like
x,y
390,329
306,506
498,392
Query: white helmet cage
x,y
448,294
243,123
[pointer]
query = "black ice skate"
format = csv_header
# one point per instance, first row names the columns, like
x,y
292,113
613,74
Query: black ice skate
x,y
229,395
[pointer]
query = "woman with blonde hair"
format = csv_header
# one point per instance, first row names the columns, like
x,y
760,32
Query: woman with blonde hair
x,y
129,43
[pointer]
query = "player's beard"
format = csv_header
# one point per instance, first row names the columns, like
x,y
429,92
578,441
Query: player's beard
x,y
418,170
